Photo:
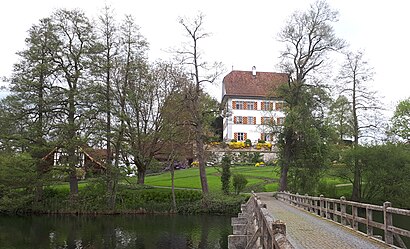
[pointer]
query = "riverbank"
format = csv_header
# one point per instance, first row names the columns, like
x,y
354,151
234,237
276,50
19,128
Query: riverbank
x,y
130,200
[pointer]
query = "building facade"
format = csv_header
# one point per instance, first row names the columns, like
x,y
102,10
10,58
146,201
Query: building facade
x,y
253,109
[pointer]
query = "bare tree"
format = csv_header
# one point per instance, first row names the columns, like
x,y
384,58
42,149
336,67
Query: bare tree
x,y
309,37
354,76
201,73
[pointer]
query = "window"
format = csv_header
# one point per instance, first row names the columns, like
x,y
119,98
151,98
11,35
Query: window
x,y
266,106
250,105
238,105
238,120
241,136
244,120
280,121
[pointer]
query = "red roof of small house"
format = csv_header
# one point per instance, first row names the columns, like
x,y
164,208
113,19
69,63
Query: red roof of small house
x,y
245,84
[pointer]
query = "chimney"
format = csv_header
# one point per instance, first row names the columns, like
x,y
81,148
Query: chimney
x,y
254,71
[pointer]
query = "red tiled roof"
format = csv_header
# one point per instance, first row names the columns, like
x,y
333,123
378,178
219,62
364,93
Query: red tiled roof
x,y
243,83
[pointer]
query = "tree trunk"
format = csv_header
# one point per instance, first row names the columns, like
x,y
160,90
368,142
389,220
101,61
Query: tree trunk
x,y
73,183
356,193
141,176
174,203
201,159
357,190
72,145
287,159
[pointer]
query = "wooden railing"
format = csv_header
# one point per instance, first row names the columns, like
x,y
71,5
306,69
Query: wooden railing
x,y
350,213
255,228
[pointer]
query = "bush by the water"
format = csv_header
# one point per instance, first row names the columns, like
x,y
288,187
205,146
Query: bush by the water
x,y
92,199
239,183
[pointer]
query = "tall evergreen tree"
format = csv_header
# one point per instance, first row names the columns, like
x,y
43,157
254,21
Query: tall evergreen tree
x,y
30,107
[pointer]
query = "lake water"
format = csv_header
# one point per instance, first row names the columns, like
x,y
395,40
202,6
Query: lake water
x,y
116,231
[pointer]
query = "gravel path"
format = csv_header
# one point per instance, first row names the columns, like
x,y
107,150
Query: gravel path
x,y
306,230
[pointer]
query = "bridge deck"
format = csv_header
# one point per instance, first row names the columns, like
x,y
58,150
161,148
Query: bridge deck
x,y
305,230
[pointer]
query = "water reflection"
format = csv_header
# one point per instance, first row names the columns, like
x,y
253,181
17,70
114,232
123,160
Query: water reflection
x,y
155,231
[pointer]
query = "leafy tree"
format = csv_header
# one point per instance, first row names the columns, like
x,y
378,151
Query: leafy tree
x,y
201,73
384,170
354,75
340,117
75,43
309,37
401,120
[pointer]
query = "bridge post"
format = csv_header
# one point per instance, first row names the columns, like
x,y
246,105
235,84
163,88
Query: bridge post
x,y
355,224
307,203
369,218
321,206
388,221
334,211
343,210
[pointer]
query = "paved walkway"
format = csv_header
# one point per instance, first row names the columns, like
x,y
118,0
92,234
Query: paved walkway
x,y
306,230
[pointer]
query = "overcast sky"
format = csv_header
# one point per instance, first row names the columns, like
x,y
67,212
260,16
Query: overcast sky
x,y
243,32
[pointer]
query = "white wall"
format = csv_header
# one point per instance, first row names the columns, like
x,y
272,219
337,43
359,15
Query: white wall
x,y
253,131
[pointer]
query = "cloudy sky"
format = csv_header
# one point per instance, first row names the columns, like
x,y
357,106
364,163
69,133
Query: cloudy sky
x,y
243,32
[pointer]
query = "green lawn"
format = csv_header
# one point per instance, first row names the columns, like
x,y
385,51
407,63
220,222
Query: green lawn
x,y
189,178
259,179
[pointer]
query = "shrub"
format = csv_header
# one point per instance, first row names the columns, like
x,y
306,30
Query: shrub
x,y
239,183
237,145
263,145
248,143
260,164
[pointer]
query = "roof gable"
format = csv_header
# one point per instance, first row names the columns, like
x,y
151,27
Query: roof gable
x,y
244,84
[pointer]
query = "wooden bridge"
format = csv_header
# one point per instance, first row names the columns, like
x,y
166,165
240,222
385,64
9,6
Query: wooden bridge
x,y
284,220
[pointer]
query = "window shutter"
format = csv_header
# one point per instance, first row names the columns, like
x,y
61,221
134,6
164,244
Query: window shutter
x,y
245,136
254,120
278,121
233,104
235,136
255,106
262,136
263,105
245,120
245,105
234,120
270,106
262,120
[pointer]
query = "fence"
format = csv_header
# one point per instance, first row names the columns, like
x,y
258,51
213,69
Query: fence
x,y
255,228
351,213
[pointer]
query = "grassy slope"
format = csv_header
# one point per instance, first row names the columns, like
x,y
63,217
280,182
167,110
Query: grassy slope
x,y
259,179
189,178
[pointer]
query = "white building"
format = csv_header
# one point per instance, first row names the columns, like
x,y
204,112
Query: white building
x,y
250,99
